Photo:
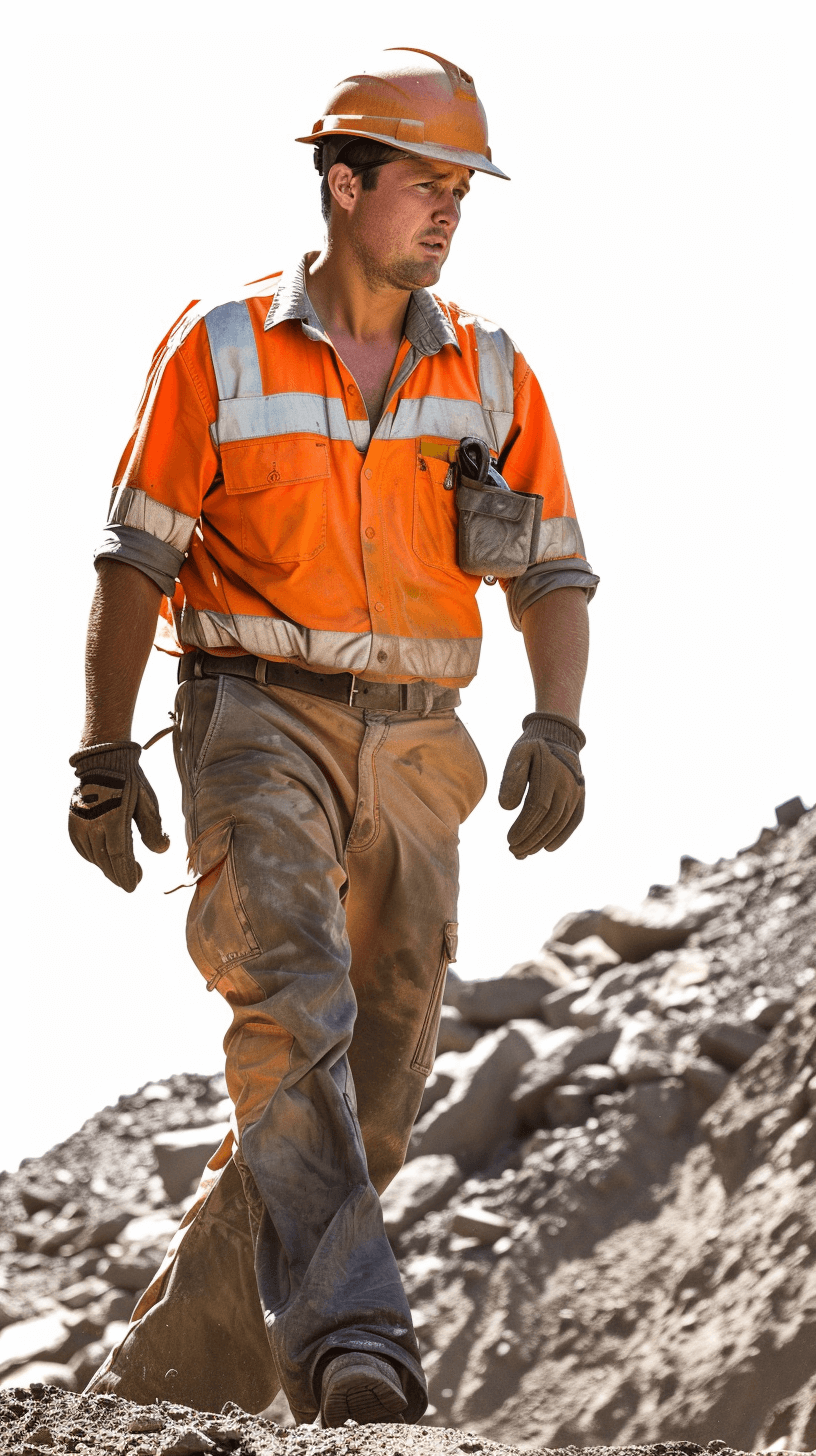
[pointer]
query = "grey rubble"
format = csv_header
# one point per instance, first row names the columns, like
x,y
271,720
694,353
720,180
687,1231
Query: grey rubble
x,y
607,1223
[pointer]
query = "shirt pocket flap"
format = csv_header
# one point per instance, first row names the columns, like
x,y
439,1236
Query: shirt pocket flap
x,y
505,505
251,465
210,848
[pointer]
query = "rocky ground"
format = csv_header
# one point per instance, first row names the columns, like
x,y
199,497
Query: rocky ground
x,y
606,1226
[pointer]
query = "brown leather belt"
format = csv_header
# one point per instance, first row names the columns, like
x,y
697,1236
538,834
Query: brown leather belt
x,y
341,687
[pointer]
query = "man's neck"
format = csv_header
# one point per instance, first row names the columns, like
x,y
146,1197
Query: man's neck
x,y
348,304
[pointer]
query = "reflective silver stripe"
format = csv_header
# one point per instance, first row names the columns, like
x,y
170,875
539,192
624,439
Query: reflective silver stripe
x,y
234,351
133,507
344,651
427,657
496,361
559,537
435,415
273,637
285,414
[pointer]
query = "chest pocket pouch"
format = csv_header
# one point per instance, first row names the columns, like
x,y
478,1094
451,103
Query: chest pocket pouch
x,y
498,529
436,523
281,490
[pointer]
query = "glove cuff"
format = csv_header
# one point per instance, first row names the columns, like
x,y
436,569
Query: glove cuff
x,y
554,729
120,756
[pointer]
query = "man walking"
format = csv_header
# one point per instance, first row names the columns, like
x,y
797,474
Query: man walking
x,y
317,483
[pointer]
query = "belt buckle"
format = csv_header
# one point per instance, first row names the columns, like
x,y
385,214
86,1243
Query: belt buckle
x,y
353,691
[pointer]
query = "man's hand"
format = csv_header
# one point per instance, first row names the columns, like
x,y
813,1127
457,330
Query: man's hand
x,y
545,762
112,791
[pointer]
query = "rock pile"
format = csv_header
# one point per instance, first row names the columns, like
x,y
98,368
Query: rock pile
x,y
607,1222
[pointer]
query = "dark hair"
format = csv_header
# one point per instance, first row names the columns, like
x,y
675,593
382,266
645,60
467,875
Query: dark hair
x,y
364,157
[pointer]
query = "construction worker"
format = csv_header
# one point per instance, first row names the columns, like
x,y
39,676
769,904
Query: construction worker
x,y
316,485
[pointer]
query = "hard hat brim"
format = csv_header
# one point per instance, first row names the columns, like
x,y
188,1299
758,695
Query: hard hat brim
x,y
475,161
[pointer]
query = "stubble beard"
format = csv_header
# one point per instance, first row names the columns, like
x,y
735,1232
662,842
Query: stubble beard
x,y
394,272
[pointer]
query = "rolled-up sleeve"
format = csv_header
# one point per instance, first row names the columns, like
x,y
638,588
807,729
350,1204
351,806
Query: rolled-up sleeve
x,y
169,463
531,461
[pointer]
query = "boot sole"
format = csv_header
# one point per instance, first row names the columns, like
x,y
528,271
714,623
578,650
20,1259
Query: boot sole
x,y
358,1393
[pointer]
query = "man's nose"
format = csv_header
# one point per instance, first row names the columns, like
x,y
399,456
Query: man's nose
x,y
447,210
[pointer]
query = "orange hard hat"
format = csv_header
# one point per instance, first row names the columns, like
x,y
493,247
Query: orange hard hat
x,y
416,102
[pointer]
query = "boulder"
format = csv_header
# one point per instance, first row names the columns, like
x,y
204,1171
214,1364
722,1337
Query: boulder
x,y
730,1043
556,1007
85,1291
43,1372
680,985
590,956
87,1361
706,1079
10,1312
766,1011
455,1034
595,1079
477,1115
183,1155
557,1058
439,1083
638,1055
663,1106
568,1106
133,1273
104,1231
472,1222
575,926
546,964
46,1337
789,813
423,1185
150,1231
38,1196
114,1305
489,1004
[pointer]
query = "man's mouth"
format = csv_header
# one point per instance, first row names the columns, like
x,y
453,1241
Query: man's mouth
x,y
433,246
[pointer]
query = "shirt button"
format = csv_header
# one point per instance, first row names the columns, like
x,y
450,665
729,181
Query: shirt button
x,y
379,607
368,474
370,532
382,656
351,389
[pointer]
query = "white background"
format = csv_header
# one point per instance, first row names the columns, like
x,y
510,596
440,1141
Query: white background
x,y
653,256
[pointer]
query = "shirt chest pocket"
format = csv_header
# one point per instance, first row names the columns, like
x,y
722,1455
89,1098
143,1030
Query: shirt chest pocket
x,y
280,486
436,519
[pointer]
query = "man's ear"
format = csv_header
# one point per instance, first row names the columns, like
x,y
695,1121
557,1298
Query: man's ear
x,y
343,186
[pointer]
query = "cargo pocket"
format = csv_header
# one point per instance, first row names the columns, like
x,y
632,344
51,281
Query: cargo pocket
x,y
498,529
423,1058
220,937
281,490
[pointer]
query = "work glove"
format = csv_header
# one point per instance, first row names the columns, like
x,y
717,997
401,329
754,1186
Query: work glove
x,y
113,790
545,762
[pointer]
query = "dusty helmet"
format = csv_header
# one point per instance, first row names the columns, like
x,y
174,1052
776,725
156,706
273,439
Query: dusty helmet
x,y
416,102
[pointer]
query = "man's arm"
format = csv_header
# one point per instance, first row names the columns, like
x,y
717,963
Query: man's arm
x,y
556,636
121,628
544,762
112,789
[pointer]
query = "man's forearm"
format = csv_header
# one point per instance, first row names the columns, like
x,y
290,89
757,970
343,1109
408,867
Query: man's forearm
x,y
120,634
556,635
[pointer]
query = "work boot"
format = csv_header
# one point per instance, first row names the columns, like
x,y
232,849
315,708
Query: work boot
x,y
361,1388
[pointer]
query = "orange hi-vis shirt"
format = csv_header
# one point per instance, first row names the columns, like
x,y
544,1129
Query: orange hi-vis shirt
x,y
253,481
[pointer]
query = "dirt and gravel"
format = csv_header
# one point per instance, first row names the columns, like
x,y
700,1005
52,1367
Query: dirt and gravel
x,y
606,1226
48,1420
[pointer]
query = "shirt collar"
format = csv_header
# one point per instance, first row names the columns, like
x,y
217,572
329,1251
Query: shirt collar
x,y
427,325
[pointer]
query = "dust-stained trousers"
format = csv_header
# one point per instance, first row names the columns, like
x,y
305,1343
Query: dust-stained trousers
x,y
322,830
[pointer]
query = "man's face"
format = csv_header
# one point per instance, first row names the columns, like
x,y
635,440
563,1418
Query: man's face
x,y
402,230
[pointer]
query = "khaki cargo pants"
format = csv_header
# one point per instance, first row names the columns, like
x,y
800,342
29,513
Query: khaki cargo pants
x,y
325,840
